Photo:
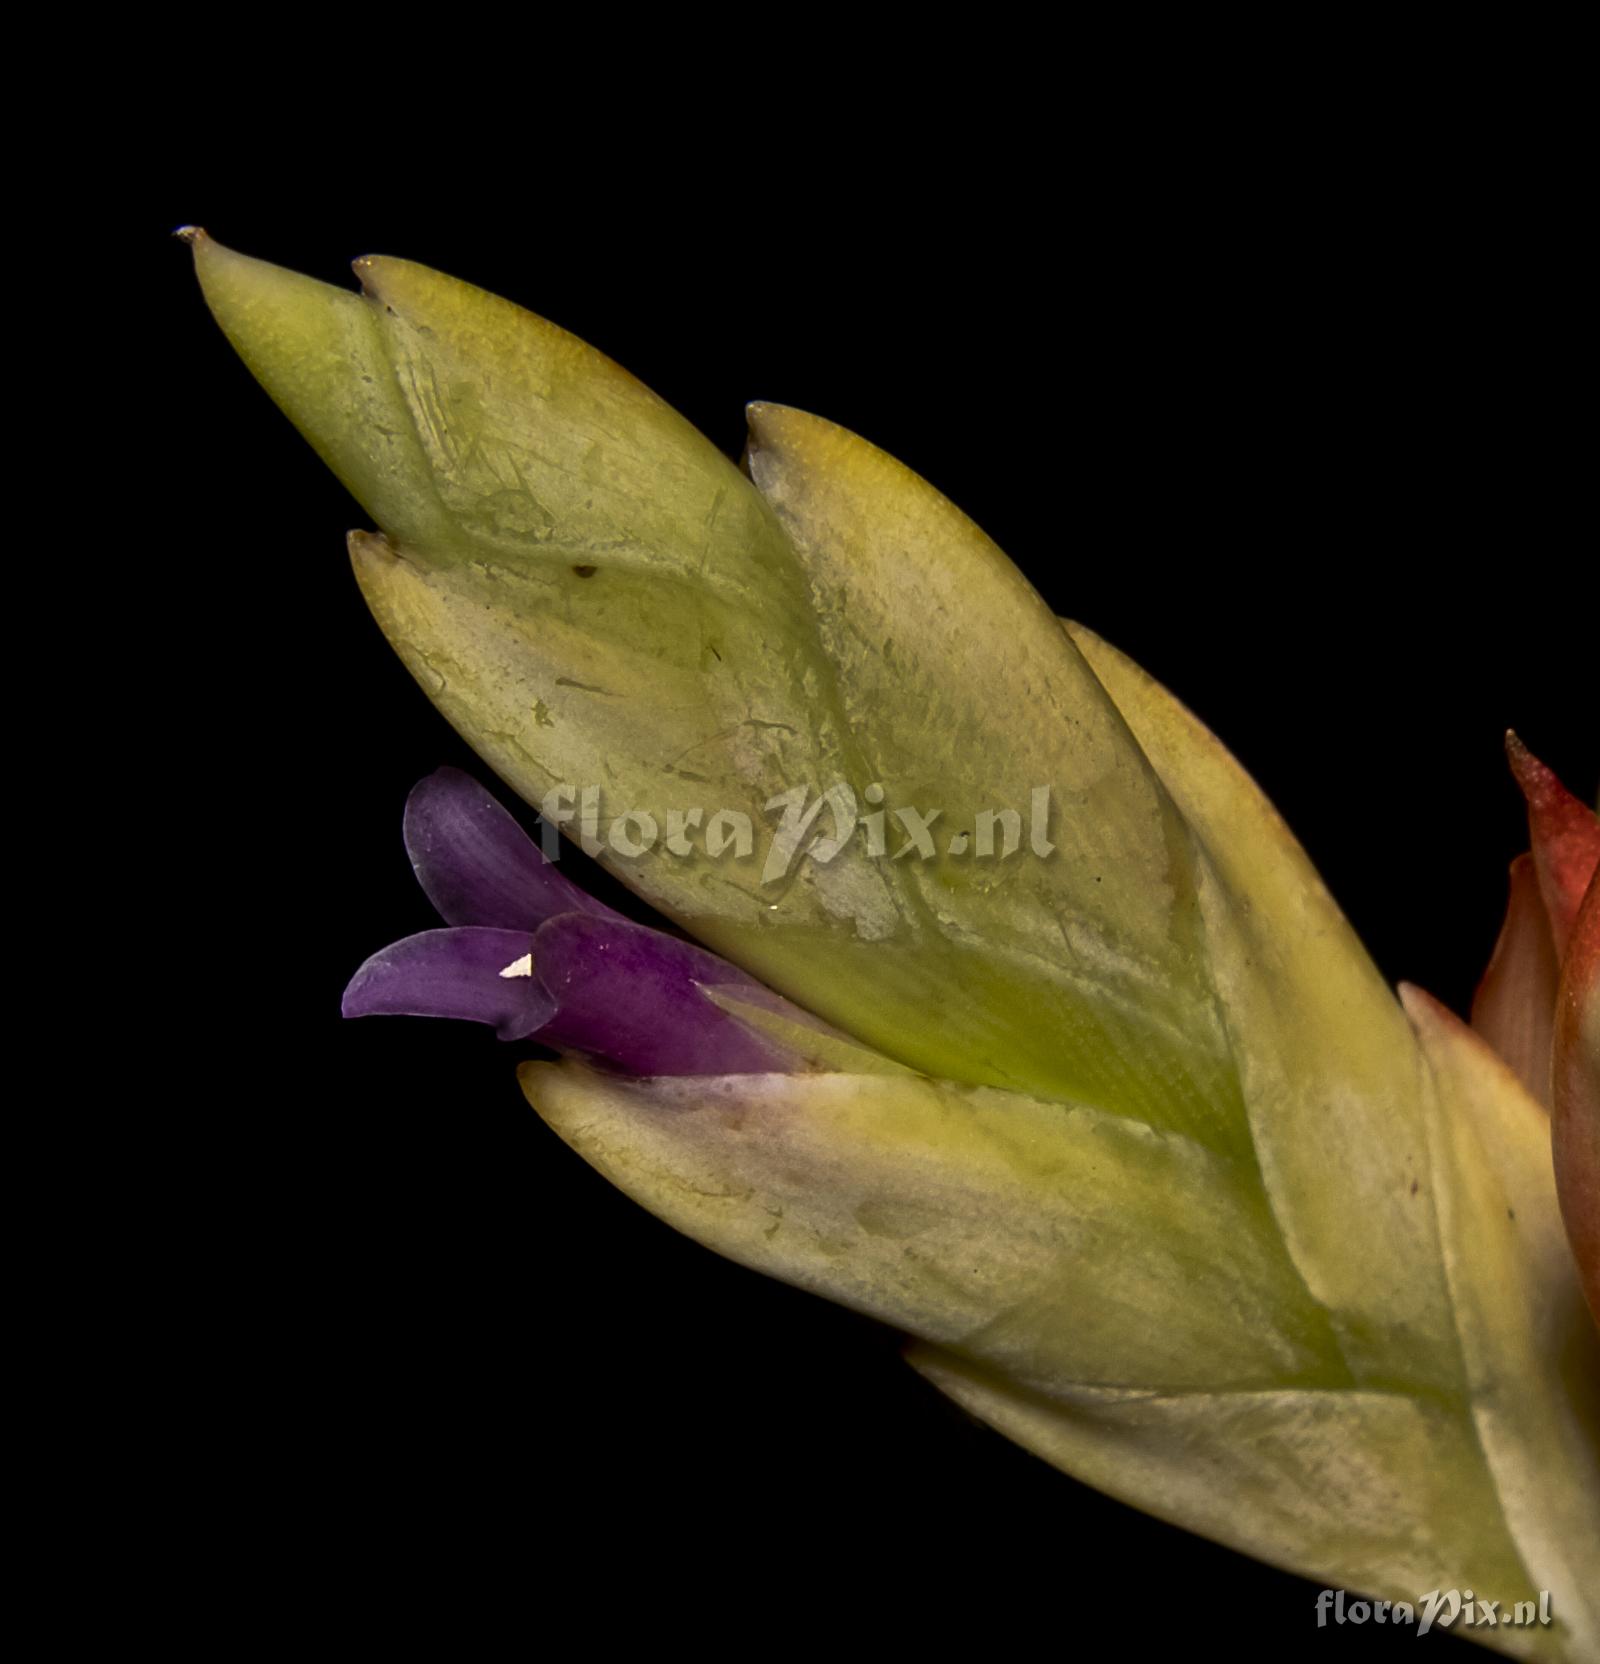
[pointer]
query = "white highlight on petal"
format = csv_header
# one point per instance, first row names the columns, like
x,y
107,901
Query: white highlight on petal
x,y
519,967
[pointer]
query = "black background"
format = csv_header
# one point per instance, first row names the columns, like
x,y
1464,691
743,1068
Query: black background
x,y
1299,445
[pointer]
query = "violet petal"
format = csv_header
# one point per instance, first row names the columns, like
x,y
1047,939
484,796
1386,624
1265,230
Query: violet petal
x,y
630,994
455,973
476,865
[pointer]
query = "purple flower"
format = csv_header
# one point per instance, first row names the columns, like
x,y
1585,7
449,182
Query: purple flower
x,y
532,955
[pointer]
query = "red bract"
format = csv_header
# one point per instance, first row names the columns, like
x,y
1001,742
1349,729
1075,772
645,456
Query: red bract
x,y
1566,840
1539,1002
1575,1120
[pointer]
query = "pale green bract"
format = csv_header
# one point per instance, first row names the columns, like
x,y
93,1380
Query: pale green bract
x,y
1131,1140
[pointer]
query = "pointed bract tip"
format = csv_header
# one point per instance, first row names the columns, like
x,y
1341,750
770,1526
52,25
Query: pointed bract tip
x,y
378,275
1529,771
755,414
367,548
1419,1004
1540,783
1565,834
776,427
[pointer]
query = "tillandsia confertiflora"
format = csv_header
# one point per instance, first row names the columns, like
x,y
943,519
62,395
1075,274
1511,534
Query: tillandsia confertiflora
x,y
1013,1015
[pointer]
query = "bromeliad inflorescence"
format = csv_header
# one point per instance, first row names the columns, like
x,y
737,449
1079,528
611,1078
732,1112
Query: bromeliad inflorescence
x,y
1123,1129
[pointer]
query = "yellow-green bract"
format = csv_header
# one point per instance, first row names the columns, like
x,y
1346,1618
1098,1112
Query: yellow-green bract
x,y
1139,1149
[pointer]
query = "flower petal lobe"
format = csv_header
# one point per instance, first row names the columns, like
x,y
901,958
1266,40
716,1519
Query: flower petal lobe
x,y
476,865
457,973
